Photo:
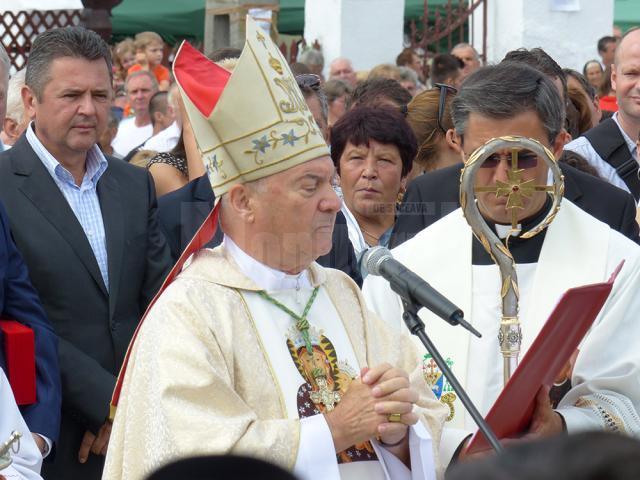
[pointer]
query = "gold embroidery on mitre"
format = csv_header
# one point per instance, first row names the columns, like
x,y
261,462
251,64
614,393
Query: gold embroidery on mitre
x,y
295,101
276,65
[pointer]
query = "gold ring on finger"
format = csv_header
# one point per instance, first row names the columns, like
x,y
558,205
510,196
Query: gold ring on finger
x,y
395,417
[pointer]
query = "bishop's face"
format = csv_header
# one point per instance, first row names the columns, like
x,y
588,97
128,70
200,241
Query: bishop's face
x,y
295,215
481,129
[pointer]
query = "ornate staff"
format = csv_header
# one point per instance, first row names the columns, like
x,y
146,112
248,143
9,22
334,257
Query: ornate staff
x,y
515,189
7,448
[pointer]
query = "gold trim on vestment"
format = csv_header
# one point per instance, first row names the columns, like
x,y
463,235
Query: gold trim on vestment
x,y
612,423
264,353
355,350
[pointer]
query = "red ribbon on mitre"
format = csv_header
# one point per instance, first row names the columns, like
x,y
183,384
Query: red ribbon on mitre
x,y
202,80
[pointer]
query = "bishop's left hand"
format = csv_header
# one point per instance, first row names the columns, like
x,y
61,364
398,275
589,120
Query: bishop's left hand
x,y
545,421
392,387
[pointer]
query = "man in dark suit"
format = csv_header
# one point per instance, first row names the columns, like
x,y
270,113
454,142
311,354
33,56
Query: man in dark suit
x,y
87,228
19,301
435,194
182,211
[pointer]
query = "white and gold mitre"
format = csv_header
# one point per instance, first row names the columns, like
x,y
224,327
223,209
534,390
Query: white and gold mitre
x,y
251,123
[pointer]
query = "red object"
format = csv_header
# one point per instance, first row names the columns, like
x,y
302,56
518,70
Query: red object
x,y
20,356
567,325
200,78
609,103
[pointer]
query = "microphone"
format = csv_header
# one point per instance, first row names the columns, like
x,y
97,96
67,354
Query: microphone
x,y
379,261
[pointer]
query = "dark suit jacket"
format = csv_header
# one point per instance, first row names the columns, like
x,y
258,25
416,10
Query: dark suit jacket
x,y
19,301
182,212
433,195
94,326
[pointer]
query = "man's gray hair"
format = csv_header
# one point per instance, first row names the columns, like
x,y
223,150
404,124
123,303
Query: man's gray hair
x,y
5,63
75,42
408,75
311,56
140,73
15,106
467,45
505,90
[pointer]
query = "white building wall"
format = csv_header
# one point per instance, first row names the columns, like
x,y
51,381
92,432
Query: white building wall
x,y
569,37
368,32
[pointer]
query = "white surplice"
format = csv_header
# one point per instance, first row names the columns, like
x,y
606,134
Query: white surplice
x,y
577,250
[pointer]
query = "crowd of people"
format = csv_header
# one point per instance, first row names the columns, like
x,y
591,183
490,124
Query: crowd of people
x,y
187,246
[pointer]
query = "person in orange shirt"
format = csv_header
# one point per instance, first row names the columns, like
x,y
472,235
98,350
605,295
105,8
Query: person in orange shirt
x,y
149,54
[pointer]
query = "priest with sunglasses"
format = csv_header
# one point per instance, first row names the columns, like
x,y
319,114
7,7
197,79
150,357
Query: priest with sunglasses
x,y
601,389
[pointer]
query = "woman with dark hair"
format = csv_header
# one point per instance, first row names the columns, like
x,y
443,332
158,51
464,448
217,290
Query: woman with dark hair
x,y
578,86
373,150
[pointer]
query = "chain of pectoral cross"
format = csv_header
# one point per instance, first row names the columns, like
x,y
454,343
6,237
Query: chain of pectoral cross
x,y
323,395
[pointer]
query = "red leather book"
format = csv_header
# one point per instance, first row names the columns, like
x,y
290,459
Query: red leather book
x,y
563,331
20,356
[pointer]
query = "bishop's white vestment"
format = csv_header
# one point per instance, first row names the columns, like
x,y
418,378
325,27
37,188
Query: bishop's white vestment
x,y
217,369
577,250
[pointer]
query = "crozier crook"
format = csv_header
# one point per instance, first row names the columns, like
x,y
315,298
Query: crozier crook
x,y
515,189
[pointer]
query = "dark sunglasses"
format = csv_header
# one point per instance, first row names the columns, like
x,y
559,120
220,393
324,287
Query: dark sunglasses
x,y
525,159
444,90
308,80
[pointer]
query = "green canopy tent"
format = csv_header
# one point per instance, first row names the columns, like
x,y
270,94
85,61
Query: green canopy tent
x,y
291,17
172,20
626,14
185,18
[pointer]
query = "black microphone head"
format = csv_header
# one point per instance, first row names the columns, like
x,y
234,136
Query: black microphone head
x,y
373,258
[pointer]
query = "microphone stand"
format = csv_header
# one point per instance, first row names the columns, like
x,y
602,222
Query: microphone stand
x,y
416,327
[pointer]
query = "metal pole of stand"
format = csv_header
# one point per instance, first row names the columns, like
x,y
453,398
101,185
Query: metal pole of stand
x,y
416,327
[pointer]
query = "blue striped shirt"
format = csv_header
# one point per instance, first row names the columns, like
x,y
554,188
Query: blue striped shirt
x,y
82,199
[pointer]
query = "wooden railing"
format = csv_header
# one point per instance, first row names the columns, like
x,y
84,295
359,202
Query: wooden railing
x,y
19,29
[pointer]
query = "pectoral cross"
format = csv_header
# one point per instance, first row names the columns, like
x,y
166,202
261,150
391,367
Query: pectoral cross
x,y
323,395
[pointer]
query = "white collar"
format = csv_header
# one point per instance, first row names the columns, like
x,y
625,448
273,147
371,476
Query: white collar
x,y
503,230
263,276
631,144
355,233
